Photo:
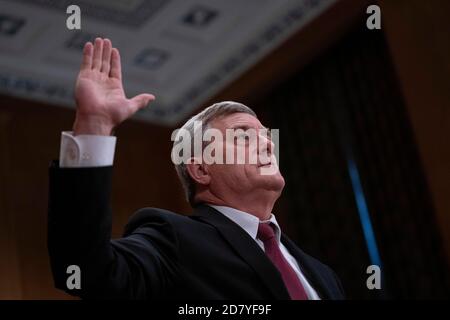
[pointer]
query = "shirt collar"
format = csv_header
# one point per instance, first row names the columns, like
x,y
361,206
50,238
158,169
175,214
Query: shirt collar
x,y
247,221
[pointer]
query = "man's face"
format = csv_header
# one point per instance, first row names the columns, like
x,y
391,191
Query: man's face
x,y
235,178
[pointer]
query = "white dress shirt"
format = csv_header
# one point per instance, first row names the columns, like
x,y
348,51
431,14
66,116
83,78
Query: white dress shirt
x,y
97,151
86,150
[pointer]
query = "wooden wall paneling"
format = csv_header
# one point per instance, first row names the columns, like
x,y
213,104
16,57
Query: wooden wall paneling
x,y
418,36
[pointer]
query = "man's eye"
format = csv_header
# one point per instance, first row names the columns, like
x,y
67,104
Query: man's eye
x,y
242,139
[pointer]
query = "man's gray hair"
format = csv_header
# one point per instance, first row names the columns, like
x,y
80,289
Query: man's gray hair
x,y
206,117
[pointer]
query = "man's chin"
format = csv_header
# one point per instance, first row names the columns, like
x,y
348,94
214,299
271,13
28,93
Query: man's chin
x,y
274,182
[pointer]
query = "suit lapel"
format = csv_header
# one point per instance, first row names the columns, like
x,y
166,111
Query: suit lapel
x,y
304,262
246,248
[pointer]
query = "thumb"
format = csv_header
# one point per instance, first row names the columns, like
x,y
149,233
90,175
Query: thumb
x,y
140,101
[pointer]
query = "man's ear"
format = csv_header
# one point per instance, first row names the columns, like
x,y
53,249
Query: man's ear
x,y
198,171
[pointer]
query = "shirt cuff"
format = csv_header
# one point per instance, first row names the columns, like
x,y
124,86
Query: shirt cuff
x,y
86,150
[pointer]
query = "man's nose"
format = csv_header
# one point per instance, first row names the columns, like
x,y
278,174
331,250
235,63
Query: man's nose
x,y
265,144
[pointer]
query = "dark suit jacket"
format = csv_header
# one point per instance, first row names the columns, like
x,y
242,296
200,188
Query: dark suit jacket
x,y
162,254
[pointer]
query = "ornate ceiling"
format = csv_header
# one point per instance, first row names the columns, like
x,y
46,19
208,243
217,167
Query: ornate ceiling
x,y
183,51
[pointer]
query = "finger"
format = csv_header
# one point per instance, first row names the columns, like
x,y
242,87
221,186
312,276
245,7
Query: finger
x,y
97,60
116,68
106,56
86,63
141,101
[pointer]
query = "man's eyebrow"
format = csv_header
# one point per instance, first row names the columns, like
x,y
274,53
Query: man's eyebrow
x,y
246,127
241,126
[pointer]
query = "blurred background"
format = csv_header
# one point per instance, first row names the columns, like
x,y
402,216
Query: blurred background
x,y
364,119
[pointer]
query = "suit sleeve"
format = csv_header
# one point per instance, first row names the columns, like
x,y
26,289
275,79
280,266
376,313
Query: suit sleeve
x,y
141,265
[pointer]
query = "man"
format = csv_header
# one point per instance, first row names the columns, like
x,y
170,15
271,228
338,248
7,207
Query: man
x,y
230,247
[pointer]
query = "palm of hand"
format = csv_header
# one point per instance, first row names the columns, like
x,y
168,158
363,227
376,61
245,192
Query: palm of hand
x,y
99,94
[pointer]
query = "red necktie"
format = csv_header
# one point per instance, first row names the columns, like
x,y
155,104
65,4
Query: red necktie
x,y
290,278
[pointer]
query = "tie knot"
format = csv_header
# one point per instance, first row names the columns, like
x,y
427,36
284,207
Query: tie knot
x,y
265,231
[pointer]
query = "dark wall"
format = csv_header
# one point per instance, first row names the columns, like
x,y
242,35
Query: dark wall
x,y
346,109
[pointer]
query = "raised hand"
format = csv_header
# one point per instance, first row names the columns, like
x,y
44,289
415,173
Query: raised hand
x,y
101,101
